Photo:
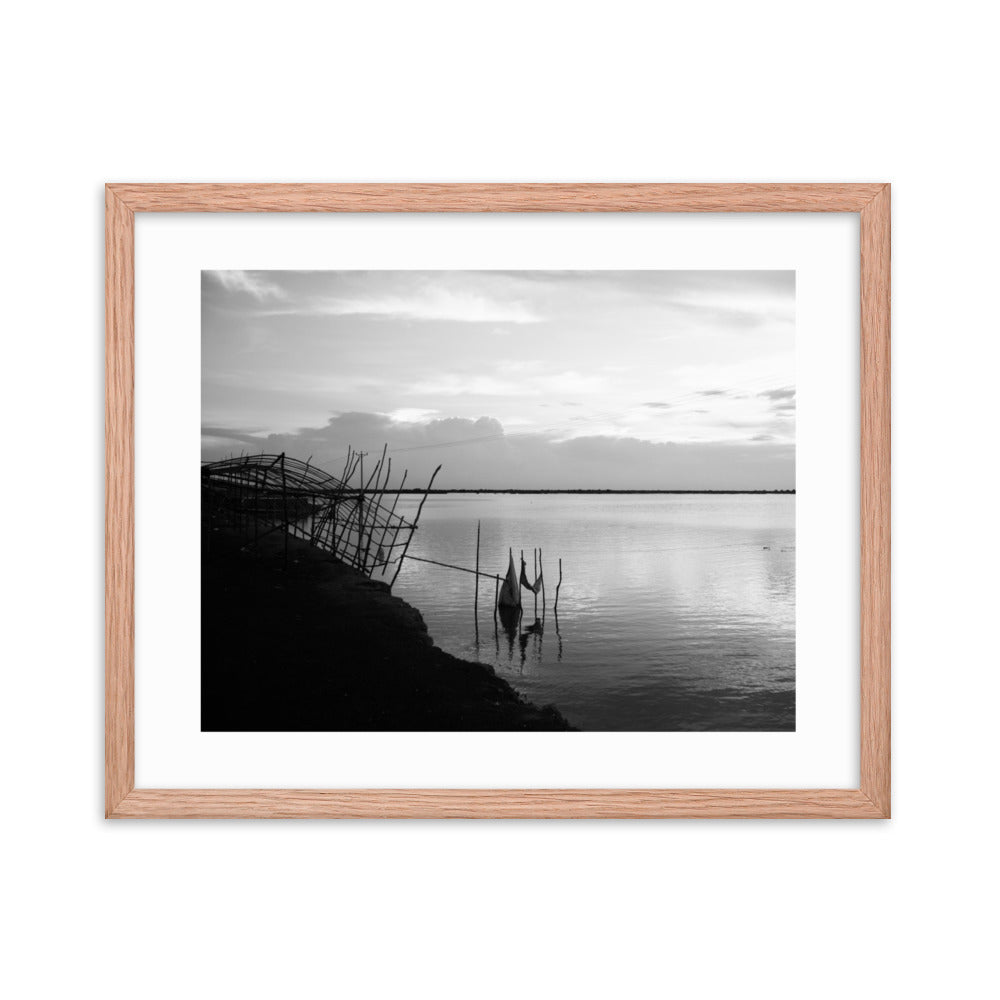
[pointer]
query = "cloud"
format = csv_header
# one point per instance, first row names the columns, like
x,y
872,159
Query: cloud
x,y
433,303
411,415
782,400
229,434
249,283
713,392
778,394
659,406
513,384
478,454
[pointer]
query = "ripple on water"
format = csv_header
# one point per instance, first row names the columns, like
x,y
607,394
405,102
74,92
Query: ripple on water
x,y
676,612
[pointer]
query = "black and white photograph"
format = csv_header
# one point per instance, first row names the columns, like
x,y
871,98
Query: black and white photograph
x,y
508,501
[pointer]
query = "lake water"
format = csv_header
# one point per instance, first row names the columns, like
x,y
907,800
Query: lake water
x,y
676,612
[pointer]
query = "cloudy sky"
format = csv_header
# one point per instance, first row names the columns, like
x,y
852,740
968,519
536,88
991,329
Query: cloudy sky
x,y
523,379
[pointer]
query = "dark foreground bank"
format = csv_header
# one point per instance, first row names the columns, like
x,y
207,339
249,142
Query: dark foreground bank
x,y
315,646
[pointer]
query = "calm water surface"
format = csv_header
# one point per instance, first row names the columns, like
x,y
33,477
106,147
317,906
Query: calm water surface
x,y
675,612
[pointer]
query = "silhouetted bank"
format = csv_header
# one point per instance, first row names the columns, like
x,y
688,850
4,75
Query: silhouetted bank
x,y
316,646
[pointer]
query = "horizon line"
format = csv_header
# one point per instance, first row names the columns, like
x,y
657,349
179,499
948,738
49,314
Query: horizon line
x,y
486,489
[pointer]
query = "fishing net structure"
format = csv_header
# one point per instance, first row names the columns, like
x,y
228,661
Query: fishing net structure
x,y
353,517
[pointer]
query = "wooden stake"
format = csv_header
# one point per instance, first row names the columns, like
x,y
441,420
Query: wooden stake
x,y
399,523
475,606
534,565
341,532
541,573
388,522
347,465
377,503
284,503
461,569
406,547
555,607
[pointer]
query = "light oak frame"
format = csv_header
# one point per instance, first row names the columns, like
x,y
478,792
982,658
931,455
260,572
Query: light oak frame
x,y
870,800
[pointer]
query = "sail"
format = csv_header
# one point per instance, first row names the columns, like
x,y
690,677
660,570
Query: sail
x,y
510,592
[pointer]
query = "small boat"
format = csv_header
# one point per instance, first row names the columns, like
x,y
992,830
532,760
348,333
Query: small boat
x,y
510,589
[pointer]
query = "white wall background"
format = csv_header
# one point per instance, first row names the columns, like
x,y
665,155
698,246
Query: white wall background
x,y
512,91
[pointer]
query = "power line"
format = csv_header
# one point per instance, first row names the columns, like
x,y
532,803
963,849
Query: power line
x,y
450,444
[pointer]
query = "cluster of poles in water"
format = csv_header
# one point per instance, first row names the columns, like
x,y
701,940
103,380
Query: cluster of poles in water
x,y
509,591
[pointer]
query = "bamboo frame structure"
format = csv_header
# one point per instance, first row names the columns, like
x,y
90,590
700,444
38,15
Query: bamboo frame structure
x,y
871,797
252,493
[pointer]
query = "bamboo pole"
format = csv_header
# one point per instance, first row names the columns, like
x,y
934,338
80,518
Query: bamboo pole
x,y
341,535
360,509
359,506
461,569
416,519
347,464
358,558
355,460
371,515
555,607
362,552
337,529
534,582
400,521
239,508
341,539
256,502
284,504
475,604
377,504
541,573
388,521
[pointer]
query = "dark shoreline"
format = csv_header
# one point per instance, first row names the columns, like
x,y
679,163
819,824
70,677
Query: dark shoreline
x,y
311,645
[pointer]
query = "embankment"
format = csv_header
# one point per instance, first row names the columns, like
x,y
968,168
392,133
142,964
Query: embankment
x,y
309,644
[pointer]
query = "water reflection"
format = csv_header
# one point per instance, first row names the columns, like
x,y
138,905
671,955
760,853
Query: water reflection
x,y
675,612
510,620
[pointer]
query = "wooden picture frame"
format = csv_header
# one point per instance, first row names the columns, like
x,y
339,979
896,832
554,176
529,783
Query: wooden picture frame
x,y
872,797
